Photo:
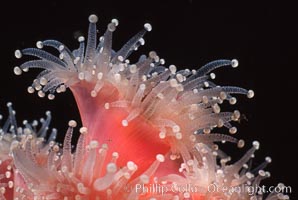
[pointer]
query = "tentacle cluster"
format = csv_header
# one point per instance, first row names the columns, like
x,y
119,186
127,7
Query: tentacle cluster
x,y
202,177
13,135
43,170
78,175
33,167
145,88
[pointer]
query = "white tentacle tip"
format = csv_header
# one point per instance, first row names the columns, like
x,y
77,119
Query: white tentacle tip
x,y
81,39
148,27
17,70
241,143
83,130
51,96
250,94
160,158
18,53
115,21
93,18
39,44
107,106
268,159
256,144
72,123
124,123
111,168
234,63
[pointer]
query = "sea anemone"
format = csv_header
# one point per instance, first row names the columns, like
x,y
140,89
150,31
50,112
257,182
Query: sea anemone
x,y
143,124
31,140
126,102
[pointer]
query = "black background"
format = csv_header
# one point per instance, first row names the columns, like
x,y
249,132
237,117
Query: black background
x,y
187,33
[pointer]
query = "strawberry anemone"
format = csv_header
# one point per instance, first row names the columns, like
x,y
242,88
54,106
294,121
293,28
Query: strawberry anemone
x,y
140,105
143,124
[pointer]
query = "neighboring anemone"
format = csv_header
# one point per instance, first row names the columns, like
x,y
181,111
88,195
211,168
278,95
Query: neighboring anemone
x,y
11,136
